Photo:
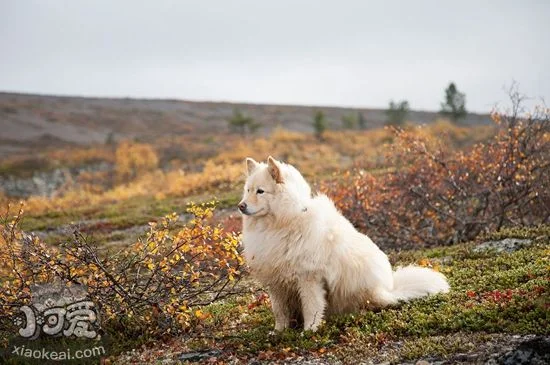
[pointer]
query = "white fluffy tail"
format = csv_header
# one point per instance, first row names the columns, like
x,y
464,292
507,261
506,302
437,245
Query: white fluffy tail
x,y
414,281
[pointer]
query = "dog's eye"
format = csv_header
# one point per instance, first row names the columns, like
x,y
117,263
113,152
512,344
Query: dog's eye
x,y
259,191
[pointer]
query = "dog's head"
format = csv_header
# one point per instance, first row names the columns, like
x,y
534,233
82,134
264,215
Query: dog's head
x,y
272,188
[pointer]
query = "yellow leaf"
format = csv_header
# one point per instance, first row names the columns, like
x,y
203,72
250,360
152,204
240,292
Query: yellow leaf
x,y
425,263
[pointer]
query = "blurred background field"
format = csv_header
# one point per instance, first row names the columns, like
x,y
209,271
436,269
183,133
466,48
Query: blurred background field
x,y
166,153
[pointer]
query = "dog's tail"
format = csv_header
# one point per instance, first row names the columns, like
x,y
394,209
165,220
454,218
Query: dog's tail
x,y
413,282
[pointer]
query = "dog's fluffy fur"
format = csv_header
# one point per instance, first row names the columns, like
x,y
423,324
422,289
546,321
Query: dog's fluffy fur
x,y
311,258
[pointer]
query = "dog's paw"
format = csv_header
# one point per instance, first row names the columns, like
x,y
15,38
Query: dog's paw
x,y
280,327
313,327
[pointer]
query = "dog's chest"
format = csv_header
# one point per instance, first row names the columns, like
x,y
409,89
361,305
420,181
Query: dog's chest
x,y
278,256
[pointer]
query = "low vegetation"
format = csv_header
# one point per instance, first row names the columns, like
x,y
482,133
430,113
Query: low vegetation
x,y
509,295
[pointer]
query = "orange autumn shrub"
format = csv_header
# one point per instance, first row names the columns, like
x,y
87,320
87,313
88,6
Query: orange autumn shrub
x,y
133,159
213,177
432,194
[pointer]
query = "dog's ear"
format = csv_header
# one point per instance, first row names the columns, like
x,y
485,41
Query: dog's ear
x,y
274,170
251,165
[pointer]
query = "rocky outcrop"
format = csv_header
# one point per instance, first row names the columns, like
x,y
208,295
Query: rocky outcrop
x,y
46,183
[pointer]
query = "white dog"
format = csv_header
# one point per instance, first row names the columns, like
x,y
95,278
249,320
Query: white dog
x,y
311,259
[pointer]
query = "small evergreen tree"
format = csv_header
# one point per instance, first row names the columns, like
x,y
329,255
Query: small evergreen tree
x,y
319,124
349,121
253,126
454,106
397,113
361,121
241,123
110,140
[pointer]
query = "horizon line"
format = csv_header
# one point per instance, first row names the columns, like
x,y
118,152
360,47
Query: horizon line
x,y
212,101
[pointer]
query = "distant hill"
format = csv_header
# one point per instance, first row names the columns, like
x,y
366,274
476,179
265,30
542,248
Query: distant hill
x,y
31,122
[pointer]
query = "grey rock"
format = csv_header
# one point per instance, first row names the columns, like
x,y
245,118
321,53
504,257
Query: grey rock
x,y
199,355
422,362
46,183
505,245
535,351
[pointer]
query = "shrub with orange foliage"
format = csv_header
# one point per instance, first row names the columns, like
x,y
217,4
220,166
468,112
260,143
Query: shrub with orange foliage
x,y
156,282
133,159
432,195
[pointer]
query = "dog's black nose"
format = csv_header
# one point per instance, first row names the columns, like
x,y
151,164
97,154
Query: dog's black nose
x,y
242,206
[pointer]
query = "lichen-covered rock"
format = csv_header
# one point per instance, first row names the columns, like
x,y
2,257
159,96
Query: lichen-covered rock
x,y
505,245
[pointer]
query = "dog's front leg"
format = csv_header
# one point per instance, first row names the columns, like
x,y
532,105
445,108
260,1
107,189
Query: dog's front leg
x,y
312,296
279,305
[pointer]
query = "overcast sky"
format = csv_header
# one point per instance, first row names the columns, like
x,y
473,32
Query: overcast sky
x,y
343,53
